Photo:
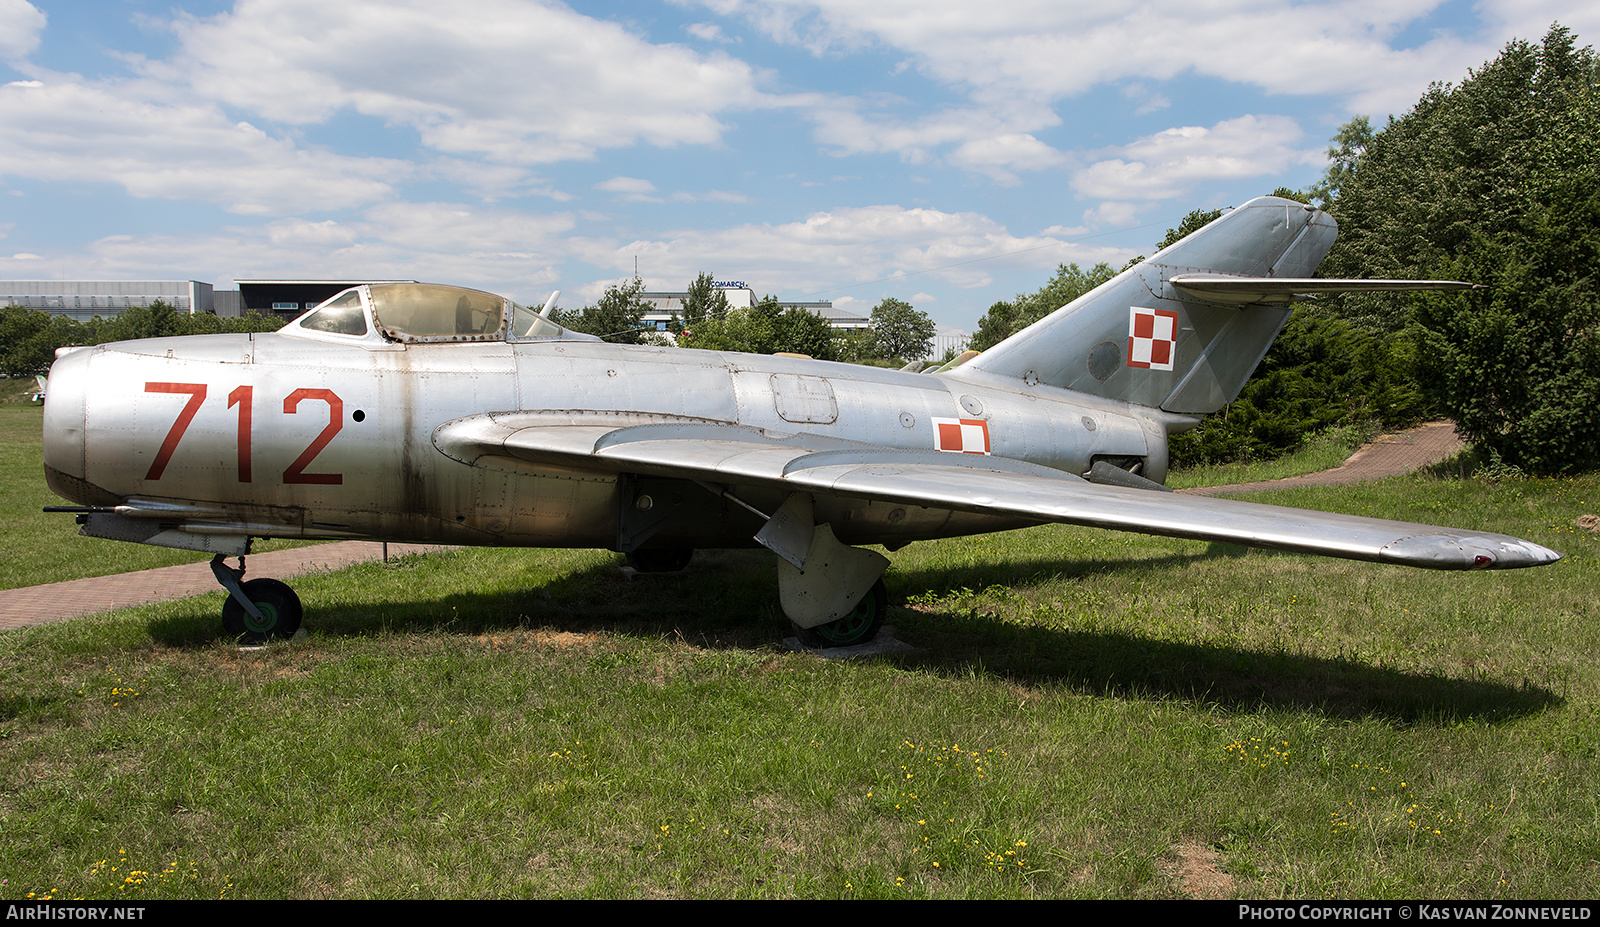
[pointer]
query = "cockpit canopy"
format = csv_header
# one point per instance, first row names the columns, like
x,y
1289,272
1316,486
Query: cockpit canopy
x,y
413,313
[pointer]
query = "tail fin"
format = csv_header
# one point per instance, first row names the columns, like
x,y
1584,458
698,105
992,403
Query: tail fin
x,y
1182,331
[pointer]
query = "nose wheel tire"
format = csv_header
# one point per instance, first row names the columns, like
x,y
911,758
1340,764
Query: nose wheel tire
x,y
279,607
858,627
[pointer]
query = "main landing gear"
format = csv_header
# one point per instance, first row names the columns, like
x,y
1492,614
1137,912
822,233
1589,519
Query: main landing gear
x,y
661,559
858,627
833,593
256,611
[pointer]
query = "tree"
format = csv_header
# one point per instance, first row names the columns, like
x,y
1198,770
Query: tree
x,y
1517,365
617,316
1193,222
1467,160
1321,372
1000,322
702,301
1343,155
29,338
1005,319
157,320
898,330
1491,181
766,328
799,331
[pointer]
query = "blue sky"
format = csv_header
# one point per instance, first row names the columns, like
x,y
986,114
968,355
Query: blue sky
x,y
943,152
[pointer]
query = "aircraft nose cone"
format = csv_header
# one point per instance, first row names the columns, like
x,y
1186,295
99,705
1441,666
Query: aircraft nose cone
x,y
66,391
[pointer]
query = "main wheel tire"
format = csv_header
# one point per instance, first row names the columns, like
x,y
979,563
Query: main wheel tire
x,y
661,560
858,627
279,607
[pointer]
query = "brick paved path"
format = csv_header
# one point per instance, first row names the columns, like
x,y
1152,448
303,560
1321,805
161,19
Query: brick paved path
x,y
1388,455
38,604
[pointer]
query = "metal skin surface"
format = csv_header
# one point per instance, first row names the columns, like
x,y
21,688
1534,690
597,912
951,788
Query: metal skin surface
x,y
508,431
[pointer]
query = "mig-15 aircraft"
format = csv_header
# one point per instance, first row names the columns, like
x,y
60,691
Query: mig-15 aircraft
x,y
427,413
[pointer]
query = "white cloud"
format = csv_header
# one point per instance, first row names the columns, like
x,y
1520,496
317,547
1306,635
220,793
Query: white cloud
x,y
1044,50
1145,100
506,251
67,130
710,32
20,25
1169,163
709,196
1112,214
455,228
515,82
627,187
979,140
997,155
301,233
503,83
1531,19
846,246
490,182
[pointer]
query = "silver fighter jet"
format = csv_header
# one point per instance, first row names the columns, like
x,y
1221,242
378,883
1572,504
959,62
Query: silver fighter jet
x,y
426,413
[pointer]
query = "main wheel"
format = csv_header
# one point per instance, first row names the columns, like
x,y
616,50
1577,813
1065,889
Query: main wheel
x,y
661,560
279,607
858,627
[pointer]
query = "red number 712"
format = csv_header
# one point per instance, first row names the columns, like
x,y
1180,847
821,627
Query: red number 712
x,y
242,397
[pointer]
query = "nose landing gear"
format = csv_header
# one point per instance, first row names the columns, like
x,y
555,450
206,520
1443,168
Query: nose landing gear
x,y
256,611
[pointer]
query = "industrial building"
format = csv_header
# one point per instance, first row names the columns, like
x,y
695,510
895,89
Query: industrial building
x,y
82,300
668,305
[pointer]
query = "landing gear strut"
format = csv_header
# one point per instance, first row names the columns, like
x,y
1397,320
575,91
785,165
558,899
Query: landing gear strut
x,y
259,610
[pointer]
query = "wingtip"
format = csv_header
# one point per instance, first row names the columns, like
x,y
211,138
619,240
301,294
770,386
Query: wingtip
x,y
1468,552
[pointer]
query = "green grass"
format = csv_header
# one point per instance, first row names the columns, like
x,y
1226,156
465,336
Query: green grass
x,y
1083,714
1322,451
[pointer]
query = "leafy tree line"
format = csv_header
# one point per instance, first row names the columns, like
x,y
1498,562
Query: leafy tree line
x,y
29,337
898,330
1321,373
1007,317
1495,181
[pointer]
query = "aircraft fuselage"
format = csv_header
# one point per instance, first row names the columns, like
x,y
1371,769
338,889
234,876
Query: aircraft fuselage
x,y
270,435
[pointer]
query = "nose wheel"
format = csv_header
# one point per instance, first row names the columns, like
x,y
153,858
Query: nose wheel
x,y
256,611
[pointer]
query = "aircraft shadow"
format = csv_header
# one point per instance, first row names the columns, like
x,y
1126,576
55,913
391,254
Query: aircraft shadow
x,y
1121,665
728,600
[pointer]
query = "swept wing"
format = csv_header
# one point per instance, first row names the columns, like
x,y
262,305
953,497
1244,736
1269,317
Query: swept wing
x,y
740,455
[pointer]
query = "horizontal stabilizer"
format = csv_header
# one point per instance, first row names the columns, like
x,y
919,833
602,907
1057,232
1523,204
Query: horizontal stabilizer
x,y
1224,288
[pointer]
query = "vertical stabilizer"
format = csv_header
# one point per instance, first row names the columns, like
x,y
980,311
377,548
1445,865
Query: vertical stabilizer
x,y
1142,338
